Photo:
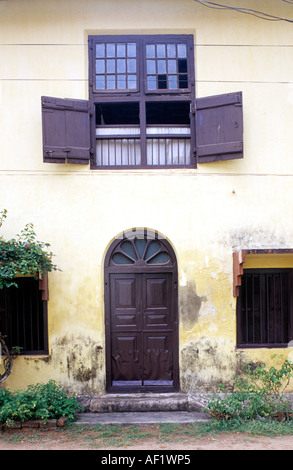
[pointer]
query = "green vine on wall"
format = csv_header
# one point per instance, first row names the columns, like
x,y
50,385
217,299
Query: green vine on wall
x,y
23,256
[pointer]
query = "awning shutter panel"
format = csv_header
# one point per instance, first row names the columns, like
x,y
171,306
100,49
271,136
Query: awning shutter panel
x,y
66,130
219,127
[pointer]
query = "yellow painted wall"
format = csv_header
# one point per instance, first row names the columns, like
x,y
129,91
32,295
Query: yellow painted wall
x,y
206,213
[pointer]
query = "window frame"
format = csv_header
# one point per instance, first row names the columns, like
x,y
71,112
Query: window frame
x,y
242,332
143,96
141,41
35,293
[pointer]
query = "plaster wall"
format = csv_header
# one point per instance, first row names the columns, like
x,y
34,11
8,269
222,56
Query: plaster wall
x,y
205,213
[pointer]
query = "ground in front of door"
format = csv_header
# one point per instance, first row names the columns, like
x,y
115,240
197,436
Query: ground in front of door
x,y
136,438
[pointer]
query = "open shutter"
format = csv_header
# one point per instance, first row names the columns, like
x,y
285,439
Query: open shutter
x,y
219,127
66,130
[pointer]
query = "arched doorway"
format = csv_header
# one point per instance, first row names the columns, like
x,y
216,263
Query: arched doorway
x,y
141,314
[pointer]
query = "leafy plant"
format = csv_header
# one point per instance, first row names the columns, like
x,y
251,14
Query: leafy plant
x,y
40,401
257,393
23,255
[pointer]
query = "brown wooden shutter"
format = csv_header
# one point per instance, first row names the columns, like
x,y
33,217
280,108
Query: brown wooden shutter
x,y
219,127
66,130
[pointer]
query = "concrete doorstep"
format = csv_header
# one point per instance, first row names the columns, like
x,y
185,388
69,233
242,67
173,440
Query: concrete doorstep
x,y
141,418
149,408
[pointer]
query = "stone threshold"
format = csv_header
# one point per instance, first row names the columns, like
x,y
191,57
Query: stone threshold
x,y
142,402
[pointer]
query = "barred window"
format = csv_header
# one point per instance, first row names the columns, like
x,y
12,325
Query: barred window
x,y
264,308
23,316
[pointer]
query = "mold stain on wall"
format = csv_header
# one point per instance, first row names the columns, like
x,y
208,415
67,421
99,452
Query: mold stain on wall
x,y
189,305
206,362
80,361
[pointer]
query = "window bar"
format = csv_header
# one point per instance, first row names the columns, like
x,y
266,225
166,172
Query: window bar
x,y
267,311
16,316
37,346
115,154
262,307
246,311
22,299
252,310
273,300
9,316
31,321
128,153
281,336
165,154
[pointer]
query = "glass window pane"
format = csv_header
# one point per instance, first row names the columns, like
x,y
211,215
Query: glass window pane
x,y
119,258
151,66
111,82
100,50
172,82
131,82
151,82
131,49
183,81
182,50
162,81
161,50
121,82
172,66
131,65
111,66
121,65
100,82
127,247
150,51
121,50
110,50
171,50
162,66
182,65
140,244
160,258
153,248
100,66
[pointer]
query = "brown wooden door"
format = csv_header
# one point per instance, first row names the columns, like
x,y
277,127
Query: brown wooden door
x,y
143,332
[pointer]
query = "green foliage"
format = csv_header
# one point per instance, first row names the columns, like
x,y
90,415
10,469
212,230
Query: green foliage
x,y
5,396
23,255
40,401
258,393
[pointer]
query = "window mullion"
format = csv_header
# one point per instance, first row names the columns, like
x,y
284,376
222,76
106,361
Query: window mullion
x,y
143,142
142,106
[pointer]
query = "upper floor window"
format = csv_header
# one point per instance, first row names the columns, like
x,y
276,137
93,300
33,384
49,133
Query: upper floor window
x,y
144,64
142,111
128,75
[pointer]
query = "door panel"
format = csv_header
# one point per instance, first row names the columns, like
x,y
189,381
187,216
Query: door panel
x,y
158,360
157,308
142,330
126,358
124,306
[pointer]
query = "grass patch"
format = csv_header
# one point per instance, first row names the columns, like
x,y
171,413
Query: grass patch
x,y
109,436
123,436
112,435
